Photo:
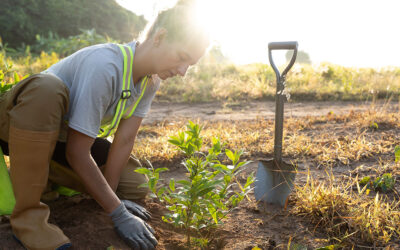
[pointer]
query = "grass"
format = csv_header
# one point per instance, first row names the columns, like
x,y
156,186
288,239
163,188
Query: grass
x,y
326,140
345,146
349,216
212,81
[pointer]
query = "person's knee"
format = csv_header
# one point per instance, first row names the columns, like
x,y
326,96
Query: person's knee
x,y
129,187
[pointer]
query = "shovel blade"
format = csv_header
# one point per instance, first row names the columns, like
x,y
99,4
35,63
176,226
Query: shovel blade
x,y
274,181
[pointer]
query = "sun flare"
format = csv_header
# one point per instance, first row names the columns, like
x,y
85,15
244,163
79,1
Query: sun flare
x,y
229,24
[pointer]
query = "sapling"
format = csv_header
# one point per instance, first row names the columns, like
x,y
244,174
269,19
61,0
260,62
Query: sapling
x,y
211,191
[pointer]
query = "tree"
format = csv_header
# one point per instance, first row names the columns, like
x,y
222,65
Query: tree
x,y
302,57
22,20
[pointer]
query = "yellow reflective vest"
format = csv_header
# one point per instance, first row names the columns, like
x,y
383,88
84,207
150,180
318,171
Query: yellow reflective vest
x,y
120,112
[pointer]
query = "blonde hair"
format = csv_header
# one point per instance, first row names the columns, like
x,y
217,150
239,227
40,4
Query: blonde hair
x,y
180,22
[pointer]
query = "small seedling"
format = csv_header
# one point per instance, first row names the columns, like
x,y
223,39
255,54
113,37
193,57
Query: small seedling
x,y
384,183
397,154
211,190
374,126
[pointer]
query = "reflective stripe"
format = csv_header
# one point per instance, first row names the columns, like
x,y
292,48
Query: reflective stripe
x,y
110,129
143,89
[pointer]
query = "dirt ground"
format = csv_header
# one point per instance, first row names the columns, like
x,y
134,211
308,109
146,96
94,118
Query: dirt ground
x,y
249,225
252,110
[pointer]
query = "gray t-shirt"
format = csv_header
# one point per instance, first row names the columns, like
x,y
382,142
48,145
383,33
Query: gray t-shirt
x,y
93,76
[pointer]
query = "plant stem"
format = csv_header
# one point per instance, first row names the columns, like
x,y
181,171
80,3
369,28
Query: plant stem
x,y
188,219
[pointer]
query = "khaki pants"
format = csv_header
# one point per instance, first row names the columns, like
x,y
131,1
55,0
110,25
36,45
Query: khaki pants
x,y
24,98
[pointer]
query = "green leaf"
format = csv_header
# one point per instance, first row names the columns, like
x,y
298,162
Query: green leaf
x,y
143,185
175,141
250,180
172,184
213,213
143,171
184,182
227,179
374,125
204,191
161,191
16,77
152,184
384,183
158,170
397,153
365,181
230,155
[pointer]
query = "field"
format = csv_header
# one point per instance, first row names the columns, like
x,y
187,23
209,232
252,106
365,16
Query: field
x,y
334,144
342,126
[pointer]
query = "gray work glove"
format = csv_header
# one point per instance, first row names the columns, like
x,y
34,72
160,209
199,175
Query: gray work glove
x,y
133,230
136,209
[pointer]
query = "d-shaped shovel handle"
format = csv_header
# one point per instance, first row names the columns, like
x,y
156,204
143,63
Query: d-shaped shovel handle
x,y
293,45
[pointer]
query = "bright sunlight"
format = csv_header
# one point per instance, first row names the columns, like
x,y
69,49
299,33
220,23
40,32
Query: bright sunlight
x,y
329,31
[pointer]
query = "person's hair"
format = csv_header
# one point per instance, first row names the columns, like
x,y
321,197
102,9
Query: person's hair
x,y
180,22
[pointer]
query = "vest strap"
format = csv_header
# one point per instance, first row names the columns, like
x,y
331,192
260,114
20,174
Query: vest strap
x,y
110,129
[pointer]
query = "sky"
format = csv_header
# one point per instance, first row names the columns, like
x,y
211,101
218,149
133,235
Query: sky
x,y
352,33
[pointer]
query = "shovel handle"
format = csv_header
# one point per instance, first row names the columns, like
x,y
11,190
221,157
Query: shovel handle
x,y
293,45
282,45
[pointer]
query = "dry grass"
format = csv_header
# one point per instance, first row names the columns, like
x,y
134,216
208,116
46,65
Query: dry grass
x,y
327,141
360,142
346,213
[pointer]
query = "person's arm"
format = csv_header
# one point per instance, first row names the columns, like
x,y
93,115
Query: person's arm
x,y
136,232
121,149
81,161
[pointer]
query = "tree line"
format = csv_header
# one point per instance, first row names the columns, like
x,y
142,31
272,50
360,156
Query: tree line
x,y
22,20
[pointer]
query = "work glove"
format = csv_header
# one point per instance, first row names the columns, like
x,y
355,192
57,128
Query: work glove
x,y
133,230
136,209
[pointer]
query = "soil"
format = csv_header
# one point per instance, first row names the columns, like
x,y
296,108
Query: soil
x,y
249,225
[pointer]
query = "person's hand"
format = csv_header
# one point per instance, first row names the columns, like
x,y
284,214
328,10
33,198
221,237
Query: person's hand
x,y
136,209
133,230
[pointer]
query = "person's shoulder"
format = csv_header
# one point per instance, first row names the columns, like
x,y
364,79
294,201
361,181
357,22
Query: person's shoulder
x,y
102,55
108,50
155,82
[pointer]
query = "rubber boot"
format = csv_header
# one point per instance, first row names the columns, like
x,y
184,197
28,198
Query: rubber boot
x,y
30,153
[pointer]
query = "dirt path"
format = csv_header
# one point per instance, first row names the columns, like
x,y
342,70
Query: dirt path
x,y
251,110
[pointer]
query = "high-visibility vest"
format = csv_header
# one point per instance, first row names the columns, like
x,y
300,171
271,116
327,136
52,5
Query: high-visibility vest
x,y
120,112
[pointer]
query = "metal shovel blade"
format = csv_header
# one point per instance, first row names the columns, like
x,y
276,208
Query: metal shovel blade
x,y
274,181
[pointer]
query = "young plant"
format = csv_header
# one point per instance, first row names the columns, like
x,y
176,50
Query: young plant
x,y
397,154
384,183
211,191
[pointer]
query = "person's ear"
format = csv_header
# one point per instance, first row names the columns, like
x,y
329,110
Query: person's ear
x,y
159,36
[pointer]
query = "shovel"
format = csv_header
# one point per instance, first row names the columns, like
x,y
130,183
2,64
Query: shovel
x,y
275,177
